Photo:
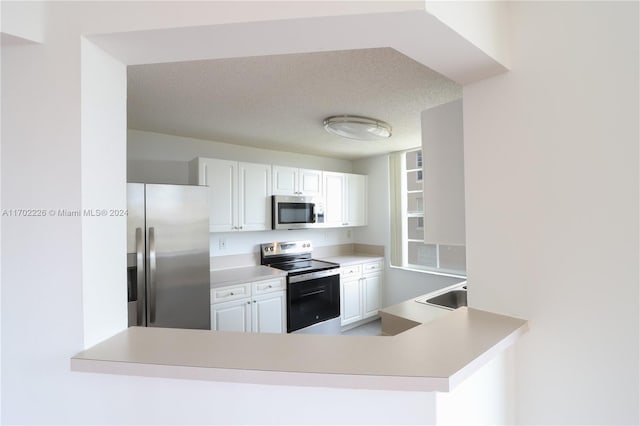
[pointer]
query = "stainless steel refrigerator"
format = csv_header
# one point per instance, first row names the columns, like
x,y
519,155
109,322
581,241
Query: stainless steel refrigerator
x,y
168,256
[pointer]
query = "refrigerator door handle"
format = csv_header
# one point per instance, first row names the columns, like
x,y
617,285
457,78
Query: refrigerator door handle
x,y
152,275
140,276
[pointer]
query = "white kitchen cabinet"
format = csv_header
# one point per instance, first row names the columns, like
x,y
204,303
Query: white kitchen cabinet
x,y
350,295
221,178
295,181
334,195
267,313
231,316
254,202
361,289
356,200
258,307
345,196
371,289
240,194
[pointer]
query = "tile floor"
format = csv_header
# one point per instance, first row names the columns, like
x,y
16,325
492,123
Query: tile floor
x,y
373,328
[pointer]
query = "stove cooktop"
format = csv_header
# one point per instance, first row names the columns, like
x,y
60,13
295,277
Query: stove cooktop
x,y
303,266
294,257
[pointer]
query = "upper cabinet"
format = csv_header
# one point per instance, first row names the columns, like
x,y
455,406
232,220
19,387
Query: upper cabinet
x,y
345,199
443,170
294,181
254,202
356,196
239,193
334,199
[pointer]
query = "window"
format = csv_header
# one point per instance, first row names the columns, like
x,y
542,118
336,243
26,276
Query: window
x,y
409,248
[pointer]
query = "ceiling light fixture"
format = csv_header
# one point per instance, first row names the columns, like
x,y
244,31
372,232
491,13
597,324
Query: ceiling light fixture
x,y
357,127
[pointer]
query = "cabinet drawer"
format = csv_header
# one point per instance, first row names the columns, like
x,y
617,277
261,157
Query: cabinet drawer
x,y
225,294
351,271
371,267
269,286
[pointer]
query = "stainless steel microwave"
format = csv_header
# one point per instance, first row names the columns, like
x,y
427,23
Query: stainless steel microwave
x,y
296,212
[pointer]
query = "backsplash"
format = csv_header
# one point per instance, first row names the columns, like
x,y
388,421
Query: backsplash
x,y
232,243
236,249
319,252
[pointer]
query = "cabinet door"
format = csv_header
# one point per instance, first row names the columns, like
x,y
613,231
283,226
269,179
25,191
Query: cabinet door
x,y
372,292
350,301
268,313
334,185
356,200
254,197
221,178
285,180
231,316
310,182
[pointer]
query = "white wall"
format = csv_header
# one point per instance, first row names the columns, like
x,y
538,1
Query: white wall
x,y
485,398
23,22
103,166
551,164
42,257
484,23
159,158
538,148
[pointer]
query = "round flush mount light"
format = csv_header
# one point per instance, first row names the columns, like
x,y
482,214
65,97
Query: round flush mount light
x,y
357,127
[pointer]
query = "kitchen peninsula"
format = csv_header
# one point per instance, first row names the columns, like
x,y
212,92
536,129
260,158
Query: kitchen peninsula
x,y
434,356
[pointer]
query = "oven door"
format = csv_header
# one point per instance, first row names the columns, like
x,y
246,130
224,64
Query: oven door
x,y
312,298
290,212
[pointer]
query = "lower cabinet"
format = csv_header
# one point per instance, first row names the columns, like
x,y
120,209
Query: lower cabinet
x,y
360,288
231,316
258,307
268,313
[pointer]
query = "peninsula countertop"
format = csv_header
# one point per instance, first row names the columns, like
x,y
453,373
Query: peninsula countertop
x,y
434,356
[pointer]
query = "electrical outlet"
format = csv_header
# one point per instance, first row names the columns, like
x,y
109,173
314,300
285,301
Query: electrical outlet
x,y
222,243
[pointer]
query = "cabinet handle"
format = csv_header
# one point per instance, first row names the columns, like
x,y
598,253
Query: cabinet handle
x,y
240,227
270,286
231,294
248,303
255,301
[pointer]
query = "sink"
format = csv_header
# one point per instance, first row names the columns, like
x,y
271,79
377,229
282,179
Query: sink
x,y
452,299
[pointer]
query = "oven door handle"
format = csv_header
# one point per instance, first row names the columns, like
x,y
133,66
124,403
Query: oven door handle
x,y
312,293
314,275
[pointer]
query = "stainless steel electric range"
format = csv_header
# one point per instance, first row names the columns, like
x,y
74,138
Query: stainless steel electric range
x,y
313,287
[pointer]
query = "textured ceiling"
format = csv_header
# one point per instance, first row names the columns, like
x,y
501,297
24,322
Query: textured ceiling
x,y
279,102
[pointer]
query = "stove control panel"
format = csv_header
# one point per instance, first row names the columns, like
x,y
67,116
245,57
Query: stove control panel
x,y
286,247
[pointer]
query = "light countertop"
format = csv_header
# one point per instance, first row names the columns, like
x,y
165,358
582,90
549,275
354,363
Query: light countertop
x,y
352,259
408,314
225,277
434,356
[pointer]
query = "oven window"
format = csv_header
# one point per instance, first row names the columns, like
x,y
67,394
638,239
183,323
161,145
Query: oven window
x,y
295,213
312,301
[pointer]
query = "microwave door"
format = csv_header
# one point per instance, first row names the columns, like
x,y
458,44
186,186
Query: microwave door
x,y
293,213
